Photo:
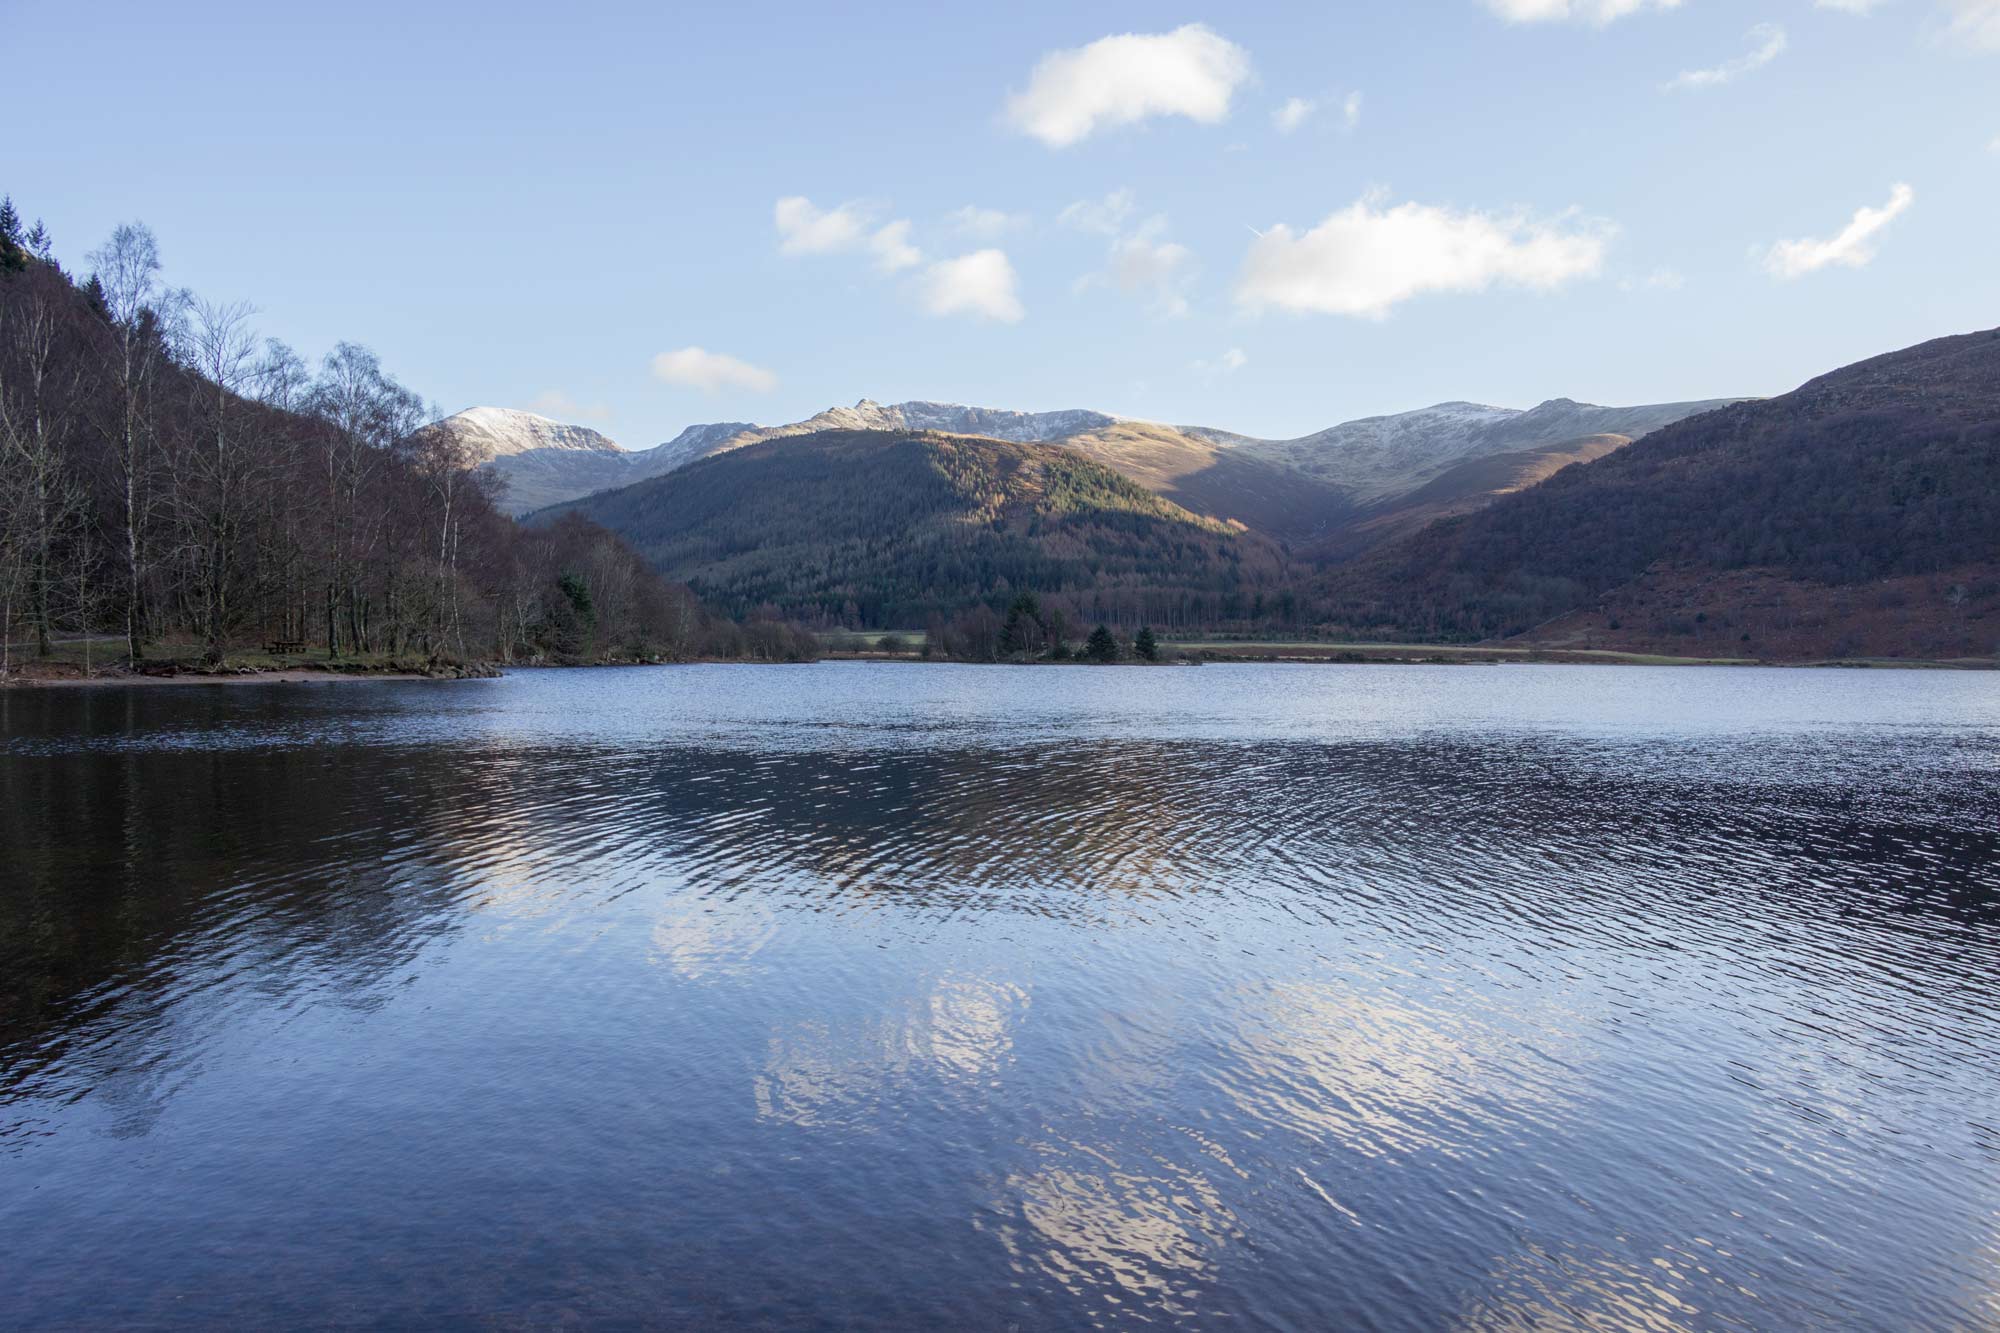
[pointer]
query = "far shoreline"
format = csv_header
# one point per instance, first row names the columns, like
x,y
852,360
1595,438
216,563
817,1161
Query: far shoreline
x,y
1404,655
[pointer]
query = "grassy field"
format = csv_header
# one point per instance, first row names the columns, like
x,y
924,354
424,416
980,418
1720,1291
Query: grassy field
x,y
1297,651
1280,650
847,641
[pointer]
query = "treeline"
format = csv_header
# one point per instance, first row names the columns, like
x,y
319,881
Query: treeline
x,y
1031,630
169,477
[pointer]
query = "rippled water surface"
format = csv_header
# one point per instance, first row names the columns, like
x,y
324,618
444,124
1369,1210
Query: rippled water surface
x,y
1248,997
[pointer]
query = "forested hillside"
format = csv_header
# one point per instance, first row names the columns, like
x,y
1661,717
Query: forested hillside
x,y
1886,470
169,477
884,529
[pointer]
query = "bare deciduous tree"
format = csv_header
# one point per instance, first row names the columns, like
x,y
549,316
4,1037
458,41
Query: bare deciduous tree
x,y
128,271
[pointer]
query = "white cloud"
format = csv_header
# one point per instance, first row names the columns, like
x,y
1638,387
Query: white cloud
x,y
1104,216
985,224
1297,110
1595,12
1131,77
804,229
1767,43
555,403
892,249
1994,147
1852,248
981,284
1973,23
698,368
1293,113
1365,260
1849,6
1228,363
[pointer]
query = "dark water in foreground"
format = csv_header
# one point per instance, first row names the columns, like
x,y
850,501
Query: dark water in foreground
x,y
1310,998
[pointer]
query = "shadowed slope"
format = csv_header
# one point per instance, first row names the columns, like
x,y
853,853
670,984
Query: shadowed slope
x,y
1889,469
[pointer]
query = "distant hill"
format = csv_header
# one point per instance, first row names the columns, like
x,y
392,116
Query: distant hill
x,y
884,528
1463,488
1336,490
1857,515
1219,483
1378,460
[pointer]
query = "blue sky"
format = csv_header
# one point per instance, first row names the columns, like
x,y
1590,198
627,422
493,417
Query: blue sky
x,y
530,206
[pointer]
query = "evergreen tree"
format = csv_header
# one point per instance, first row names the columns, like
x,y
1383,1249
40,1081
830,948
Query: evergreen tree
x,y
39,243
572,619
1145,645
1022,631
1101,647
13,256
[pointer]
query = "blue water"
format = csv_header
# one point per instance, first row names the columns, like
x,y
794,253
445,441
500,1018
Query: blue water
x,y
906,996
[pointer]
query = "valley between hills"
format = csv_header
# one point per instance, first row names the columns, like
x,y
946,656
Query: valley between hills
x,y
1855,517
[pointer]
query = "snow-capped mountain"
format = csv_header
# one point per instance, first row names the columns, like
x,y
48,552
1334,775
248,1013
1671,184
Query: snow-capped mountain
x,y
950,418
698,442
489,433
1378,458
694,442
1370,461
539,461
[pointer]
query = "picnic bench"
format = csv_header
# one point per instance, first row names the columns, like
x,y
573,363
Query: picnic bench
x,y
276,647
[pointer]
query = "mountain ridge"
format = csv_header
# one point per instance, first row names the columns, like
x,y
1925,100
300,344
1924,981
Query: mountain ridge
x,y
1302,489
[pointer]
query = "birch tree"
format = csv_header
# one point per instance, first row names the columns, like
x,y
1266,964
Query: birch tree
x,y
128,273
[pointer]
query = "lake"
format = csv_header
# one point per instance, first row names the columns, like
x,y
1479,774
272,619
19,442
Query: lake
x,y
878,995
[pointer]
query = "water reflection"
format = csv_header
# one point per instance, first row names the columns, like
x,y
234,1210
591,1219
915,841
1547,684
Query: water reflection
x,y
1310,999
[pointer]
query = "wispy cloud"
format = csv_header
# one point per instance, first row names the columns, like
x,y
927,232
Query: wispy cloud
x,y
1594,12
1104,216
711,372
1128,78
1140,260
1850,6
1144,262
1767,42
1853,247
985,224
890,245
1294,113
805,229
1228,363
1366,259
1973,24
555,403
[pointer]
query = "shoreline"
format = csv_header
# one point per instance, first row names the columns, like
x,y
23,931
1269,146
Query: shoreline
x,y
276,676
307,675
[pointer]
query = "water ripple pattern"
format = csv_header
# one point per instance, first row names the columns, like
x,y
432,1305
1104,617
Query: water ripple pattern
x,y
895,996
